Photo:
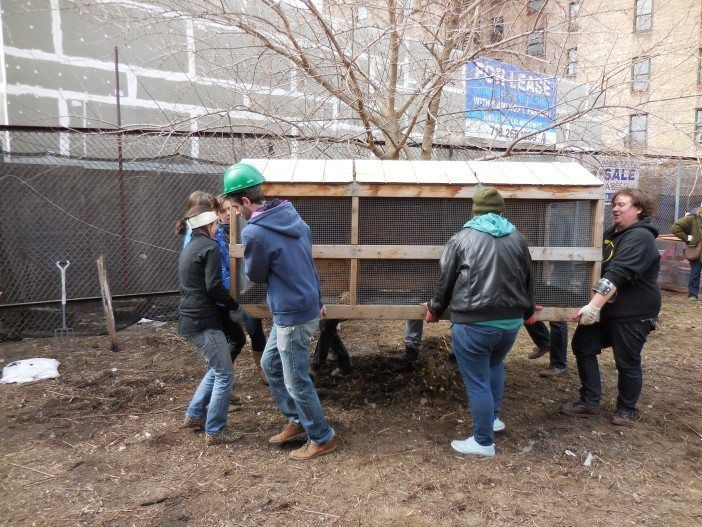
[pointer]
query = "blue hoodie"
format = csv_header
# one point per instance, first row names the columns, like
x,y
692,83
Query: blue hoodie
x,y
278,251
491,223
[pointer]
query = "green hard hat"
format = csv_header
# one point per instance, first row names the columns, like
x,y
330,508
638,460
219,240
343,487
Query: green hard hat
x,y
240,176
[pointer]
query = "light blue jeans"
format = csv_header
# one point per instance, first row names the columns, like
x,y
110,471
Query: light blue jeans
x,y
216,386
480,353
286,362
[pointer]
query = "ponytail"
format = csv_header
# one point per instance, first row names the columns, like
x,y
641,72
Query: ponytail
x,y
181,227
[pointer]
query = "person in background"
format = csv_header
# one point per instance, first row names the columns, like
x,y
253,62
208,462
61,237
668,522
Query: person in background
x,y
689,229
278,252
623,310
254,326
232,329
553,342
413,339
203,296
329,340
486,281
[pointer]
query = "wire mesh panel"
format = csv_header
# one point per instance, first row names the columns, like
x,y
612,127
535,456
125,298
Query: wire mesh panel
x,y
561,283
547,223
396,282
410,282
333,276
329,219
411,221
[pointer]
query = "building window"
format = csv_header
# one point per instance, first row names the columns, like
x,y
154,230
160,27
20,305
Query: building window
x,y
573,13
498,29
644,15
572,69
535,45
698,126
641,74
408,8
534,6
361,15
638,130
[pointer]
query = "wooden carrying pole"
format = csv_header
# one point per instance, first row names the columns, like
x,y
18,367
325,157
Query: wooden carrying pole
x,y
107,304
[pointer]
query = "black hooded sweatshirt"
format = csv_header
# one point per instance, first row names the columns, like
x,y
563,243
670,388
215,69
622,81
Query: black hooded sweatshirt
x,y
630,260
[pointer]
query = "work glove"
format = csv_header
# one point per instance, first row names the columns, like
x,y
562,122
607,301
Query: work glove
x,y
689,238
429,316
532,319
237,315
589,315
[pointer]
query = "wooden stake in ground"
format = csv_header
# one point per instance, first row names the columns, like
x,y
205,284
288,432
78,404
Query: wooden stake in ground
x,y
107,304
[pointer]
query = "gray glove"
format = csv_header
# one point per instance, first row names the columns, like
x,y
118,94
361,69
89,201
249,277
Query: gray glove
x,y
589,315
237,315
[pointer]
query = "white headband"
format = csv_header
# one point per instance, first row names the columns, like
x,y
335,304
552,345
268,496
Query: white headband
x,y
202,219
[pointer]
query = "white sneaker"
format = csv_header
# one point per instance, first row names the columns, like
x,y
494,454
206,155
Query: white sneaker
x,y
470,447
498,425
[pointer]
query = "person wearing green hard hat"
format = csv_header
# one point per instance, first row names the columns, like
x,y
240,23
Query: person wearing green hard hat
x,y
278,252
240,176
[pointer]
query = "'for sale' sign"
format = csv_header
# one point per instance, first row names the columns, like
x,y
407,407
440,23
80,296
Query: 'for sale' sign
x,y
617,177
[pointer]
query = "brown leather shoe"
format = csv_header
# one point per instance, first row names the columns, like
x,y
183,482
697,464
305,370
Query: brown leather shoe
x,y
311,450
291,432
196,423
539,351
580,409
552,372
622,419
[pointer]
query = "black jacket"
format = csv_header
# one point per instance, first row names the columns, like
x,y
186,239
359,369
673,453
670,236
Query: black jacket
x,y
484,278
201,286
631,261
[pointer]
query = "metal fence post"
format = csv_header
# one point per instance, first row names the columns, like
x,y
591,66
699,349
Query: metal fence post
x,y
677,190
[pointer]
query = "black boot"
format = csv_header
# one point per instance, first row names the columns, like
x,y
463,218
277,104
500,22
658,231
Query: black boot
x,y
411,353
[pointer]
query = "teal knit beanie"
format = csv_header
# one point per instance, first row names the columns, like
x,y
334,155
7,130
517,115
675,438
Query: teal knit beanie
x,y
487,199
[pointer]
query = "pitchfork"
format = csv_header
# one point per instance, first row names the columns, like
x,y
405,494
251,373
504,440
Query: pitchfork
x,y
63,332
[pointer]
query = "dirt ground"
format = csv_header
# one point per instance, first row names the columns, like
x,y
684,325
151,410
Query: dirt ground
x,y
101,444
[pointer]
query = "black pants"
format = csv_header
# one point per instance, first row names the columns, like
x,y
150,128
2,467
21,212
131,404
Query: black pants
x,y
556,340
254,327
627,339
329,340
234,333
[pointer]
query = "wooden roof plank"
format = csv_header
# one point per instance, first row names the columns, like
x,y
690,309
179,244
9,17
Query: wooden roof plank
x,y
338,171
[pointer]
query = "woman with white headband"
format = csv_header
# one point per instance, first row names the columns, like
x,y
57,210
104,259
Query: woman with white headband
x,y
200,322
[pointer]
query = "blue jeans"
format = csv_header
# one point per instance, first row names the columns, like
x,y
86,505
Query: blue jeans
x,y
694,285
480,353
286,363
216,386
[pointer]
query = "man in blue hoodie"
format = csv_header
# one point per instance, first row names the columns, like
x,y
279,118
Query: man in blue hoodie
x,y
486,280
278,252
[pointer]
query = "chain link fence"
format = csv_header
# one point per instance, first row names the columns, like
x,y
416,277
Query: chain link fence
x,y
76,195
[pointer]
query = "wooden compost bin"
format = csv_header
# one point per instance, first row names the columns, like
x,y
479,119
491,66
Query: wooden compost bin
x,y
379,227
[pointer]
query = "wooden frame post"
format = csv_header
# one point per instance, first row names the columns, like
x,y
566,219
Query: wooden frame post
x,y
597,233
353,268
107,303
233,230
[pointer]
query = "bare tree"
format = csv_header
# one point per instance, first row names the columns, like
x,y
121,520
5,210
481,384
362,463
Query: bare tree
x,y
386,75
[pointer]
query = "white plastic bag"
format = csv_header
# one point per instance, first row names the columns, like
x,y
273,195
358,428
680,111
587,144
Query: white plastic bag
x,y
28,370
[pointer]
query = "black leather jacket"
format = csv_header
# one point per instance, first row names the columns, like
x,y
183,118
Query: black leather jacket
x,y
484,278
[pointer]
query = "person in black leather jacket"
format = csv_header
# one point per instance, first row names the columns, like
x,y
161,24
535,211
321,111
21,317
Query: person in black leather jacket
x,y
486,281
623,310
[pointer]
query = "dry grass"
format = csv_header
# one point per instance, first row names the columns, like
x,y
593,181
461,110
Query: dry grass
x,y
102,447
